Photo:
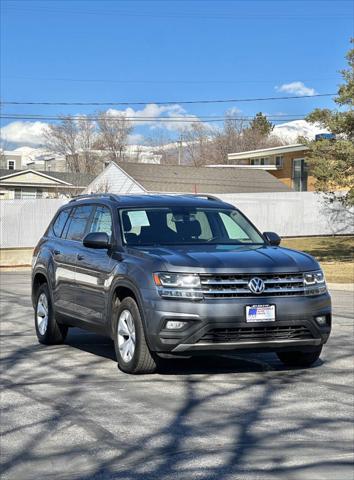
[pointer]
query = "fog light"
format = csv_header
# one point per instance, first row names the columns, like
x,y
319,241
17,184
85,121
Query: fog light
x,y
175,325
321,320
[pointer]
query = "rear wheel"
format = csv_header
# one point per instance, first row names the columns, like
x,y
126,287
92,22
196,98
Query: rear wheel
x,y
300,358
49,332
132,351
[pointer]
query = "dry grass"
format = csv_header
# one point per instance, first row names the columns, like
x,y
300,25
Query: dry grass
x,y
336,255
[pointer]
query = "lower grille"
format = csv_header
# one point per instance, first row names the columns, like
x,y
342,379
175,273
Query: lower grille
x,y
239,334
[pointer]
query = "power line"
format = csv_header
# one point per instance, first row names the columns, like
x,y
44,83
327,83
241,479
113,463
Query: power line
x,y
153,81
187,119
169,102
132,117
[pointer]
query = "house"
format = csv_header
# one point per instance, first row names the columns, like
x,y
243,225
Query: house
x,y
23,184
152,178
32,158
287,163
10,160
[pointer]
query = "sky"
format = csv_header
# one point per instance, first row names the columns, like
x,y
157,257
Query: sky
x,y
168,51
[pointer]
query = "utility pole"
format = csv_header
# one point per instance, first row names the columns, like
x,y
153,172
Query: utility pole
x,y
180,150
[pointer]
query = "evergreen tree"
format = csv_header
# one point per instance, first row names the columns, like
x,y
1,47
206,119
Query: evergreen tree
x,y
261,124
332,161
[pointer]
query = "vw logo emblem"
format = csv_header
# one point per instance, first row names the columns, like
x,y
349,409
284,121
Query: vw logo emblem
x,y
256,285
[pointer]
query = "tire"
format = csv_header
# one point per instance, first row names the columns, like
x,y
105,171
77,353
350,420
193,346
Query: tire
x,y
132,356
300,358
49,332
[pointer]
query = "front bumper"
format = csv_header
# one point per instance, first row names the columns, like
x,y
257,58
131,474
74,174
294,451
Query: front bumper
x,y
220,324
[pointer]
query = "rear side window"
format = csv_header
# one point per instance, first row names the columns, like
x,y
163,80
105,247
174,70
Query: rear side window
x,y
59,224
78,222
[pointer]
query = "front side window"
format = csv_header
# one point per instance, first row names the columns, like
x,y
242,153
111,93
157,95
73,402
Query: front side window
x,y
187,225
59,224
102,221
78,222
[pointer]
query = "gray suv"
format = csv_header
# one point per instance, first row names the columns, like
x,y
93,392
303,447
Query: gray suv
x,y
176,275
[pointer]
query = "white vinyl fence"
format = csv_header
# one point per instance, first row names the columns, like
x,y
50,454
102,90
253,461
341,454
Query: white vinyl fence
x,y
293,214
23,222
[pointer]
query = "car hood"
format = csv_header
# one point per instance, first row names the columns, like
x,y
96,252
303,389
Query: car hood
x,y
230,258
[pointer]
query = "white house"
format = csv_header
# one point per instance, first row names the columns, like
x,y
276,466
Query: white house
x,y
153,178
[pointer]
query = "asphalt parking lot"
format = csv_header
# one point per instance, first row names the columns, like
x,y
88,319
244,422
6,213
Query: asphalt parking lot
x,y
69,413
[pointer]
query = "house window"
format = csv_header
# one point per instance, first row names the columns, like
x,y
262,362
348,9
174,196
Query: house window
x,y
28,193
260,161
11,164
279,161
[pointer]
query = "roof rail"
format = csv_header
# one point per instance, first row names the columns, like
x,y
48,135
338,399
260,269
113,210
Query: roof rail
x,y
204,195
95,195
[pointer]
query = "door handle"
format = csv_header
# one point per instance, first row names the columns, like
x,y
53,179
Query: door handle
x,y
56,252
80,257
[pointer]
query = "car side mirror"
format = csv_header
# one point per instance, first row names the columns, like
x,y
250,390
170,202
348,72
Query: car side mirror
x,y
272,238
96,240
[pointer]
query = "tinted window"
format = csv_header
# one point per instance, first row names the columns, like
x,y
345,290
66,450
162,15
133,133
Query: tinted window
x,y
102,221
233,226
78,222
187,225
60,222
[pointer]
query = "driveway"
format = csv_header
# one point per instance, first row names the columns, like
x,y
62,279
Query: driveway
x,y
69,413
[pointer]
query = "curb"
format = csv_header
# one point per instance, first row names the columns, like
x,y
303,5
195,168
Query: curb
x,y
345,287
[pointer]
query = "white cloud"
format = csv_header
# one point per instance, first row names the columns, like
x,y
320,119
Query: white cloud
x,y
152,112
233,111
32,133
135,139
297,88
24,133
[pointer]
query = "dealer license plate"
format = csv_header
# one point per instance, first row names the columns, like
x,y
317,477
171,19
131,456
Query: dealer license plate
x,y
260,313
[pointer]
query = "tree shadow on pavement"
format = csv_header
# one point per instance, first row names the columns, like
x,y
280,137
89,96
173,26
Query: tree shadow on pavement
x,y
68,414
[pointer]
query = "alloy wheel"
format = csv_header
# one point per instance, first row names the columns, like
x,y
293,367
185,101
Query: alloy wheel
x,y
42,313
126,335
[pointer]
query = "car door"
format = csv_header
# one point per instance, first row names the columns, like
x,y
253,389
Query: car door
x,y
67,257
93,271
64,261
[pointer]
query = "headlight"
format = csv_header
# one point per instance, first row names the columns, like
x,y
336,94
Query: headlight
x,y
315,283
178,285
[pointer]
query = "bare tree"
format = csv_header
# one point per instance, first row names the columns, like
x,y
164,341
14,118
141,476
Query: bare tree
x,y
197,143
63,138
164,147
113,134
240,135
89,161
75,138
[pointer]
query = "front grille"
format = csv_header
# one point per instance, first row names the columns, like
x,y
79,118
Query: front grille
x,y
239,334
236,285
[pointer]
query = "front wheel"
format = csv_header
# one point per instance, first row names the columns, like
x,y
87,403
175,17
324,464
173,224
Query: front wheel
x,y
300,358
132,351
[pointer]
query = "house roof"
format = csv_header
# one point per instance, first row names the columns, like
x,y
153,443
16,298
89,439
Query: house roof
x,y
262,152
183,179
65,178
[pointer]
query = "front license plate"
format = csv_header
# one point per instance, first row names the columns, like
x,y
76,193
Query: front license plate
x,y
260,313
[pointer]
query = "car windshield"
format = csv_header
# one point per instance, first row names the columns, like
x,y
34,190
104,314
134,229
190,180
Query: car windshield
x,y
186,226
